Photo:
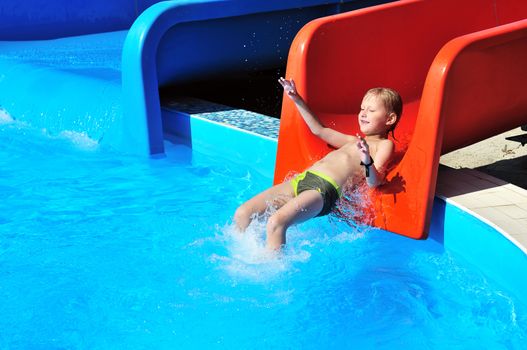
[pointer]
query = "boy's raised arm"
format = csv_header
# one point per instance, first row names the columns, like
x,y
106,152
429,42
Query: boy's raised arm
x,y
331,136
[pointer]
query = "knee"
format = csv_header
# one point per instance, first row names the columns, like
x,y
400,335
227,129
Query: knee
x,y
275,224
242,217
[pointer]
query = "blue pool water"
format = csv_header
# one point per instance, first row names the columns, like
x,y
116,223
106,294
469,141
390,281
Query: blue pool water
x,y
103,251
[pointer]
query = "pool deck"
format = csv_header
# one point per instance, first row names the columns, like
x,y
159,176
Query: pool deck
x,y
489,180
492,200
465,176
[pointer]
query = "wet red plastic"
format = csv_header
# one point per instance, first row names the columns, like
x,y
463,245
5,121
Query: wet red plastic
x,y
458,66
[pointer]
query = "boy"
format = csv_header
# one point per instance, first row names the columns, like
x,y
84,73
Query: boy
x,y
315,191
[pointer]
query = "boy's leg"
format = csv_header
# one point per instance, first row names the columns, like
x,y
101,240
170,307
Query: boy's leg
x,y
301,208
276,196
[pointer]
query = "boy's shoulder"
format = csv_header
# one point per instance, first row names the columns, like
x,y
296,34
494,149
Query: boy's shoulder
x,y
386,143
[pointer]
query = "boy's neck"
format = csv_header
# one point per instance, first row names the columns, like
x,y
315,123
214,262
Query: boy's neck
x,y
375,137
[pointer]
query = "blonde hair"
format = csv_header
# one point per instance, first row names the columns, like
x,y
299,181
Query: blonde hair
x,y
392,102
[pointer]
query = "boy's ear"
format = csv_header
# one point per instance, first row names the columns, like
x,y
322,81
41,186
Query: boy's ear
x,y
392,118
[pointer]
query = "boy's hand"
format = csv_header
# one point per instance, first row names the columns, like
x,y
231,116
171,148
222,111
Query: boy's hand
x,y
290,89
364,150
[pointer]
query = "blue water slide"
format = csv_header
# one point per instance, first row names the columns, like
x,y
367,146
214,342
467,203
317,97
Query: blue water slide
x,y
174,42
105,84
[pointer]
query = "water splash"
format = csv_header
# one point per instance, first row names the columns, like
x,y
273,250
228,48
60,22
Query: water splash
x,y
5,117
246,258
79,139
354,208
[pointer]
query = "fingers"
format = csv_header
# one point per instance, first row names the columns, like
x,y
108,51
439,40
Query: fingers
x,y
362,141
289,89
285,82
362,145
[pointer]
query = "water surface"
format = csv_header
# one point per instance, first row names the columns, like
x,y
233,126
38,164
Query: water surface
x,y
100,250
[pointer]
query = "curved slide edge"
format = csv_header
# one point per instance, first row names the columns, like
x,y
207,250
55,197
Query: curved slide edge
x,y
472,92
403,205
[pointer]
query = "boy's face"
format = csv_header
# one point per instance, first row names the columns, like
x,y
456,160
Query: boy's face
x,y
374,119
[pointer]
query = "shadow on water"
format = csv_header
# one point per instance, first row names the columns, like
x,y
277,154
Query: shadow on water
x,y
437,224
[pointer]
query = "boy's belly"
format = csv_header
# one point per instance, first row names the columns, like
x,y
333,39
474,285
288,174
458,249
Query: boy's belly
x,y
340,167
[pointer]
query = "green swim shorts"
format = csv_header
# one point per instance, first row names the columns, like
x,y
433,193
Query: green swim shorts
x,y
325,185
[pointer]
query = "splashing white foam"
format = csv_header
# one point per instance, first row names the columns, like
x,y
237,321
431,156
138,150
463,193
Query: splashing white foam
x,y
345,237
5,117
247,257
79,139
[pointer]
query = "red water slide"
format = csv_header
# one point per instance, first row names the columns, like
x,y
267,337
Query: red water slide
x,y
460,67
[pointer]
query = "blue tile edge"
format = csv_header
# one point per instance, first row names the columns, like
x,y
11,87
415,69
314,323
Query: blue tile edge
x,y
212,137
238,118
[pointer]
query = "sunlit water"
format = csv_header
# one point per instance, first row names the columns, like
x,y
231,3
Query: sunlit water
x,y
104,251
